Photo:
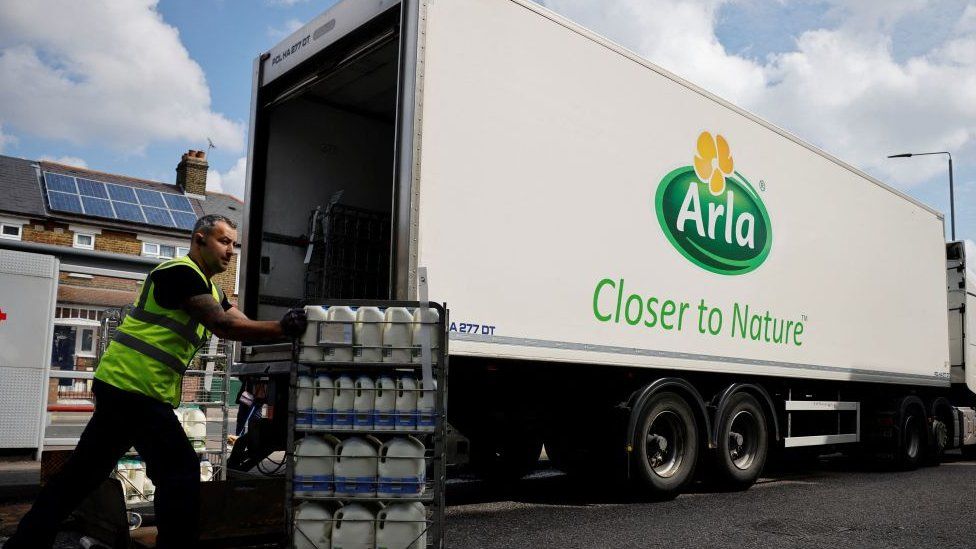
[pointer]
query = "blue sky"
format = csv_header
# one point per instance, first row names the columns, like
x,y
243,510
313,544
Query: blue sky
x,y
127,86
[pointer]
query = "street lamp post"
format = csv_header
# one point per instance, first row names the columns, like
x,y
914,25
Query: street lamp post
x,y
952,198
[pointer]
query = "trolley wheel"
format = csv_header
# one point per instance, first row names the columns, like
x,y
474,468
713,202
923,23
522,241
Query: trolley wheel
x,y
134,519
666,444
743,443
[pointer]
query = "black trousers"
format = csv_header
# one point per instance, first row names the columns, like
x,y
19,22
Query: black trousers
x,y
123,420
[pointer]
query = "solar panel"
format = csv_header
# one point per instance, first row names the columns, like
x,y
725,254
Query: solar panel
x,y
64,202
122,194
129,212
87,187
177,202
158,216
184,220
97,207
112,201
58,182
150,198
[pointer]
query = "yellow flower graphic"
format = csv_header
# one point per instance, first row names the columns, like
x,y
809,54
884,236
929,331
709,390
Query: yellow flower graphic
x,y
711,151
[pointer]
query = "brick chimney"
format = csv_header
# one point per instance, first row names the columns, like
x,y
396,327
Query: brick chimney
x,y
191,173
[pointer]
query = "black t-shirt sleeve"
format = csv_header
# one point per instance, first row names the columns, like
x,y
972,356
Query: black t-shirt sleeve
x,y
173,286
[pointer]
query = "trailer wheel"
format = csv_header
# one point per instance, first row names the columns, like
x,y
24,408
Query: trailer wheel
x,y
666,444
743,443
912,440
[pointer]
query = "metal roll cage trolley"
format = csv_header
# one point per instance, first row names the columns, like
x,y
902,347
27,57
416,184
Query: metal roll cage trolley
x,y
431,362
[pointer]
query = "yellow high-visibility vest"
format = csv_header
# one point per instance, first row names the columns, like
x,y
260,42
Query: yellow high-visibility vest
x,y
154,345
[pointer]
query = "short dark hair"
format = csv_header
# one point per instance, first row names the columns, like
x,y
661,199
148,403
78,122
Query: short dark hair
x,y
206,223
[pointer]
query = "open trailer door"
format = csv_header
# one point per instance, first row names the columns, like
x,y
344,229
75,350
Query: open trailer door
x,y
329,201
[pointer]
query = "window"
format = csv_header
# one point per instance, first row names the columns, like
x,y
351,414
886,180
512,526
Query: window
x,y
84,241
84,313
163,251
85,342
10,231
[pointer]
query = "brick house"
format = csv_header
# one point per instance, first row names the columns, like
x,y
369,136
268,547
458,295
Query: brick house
x,y
108,231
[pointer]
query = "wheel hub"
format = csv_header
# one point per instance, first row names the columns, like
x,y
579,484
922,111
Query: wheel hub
x,y
664,444
743,444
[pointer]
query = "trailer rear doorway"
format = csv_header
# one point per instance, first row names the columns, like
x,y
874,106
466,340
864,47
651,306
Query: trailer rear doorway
x,y
323,189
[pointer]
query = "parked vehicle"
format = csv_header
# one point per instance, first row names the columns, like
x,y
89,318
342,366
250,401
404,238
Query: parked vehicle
x,y
641,276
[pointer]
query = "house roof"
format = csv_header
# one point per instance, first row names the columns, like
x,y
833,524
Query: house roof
x,y
226,205
94,296
23,192
18,183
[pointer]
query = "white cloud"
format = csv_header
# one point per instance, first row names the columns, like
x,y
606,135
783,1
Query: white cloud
x,y
67,161
230,182
116,76
678,35
841,88
5,139
286,3
289,26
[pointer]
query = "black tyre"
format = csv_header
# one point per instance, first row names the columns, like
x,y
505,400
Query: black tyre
x,y
743,443
969,452
912,440
666,444
938,439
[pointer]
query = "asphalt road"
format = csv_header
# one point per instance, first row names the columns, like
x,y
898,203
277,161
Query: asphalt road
x,y
828,503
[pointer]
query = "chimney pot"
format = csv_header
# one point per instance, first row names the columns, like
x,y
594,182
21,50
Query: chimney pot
x,y
191,173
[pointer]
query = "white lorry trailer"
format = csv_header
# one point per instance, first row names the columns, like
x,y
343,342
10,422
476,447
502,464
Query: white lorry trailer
x,y
640,275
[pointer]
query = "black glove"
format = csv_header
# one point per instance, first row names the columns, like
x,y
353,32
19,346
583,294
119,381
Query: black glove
x,y
294,322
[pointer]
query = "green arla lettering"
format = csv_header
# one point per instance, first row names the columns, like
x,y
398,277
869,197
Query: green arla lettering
x,y
636,309
764,327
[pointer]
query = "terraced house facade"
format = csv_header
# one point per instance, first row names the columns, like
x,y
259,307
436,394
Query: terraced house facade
x,y
108,231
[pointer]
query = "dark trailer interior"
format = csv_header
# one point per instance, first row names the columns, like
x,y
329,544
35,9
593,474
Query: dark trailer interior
x,y
323,215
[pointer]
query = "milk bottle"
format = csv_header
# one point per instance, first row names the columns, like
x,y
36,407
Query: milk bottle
x,y
384,418
344,403
314,466
313,527
195,426
311,352
368,335
402,526
397,335
426,416
363,403
427,325
402,468
323,402
304,410
337,335
355,467
353,528
406,404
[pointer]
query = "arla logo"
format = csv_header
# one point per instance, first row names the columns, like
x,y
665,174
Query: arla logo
x,y
712,214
